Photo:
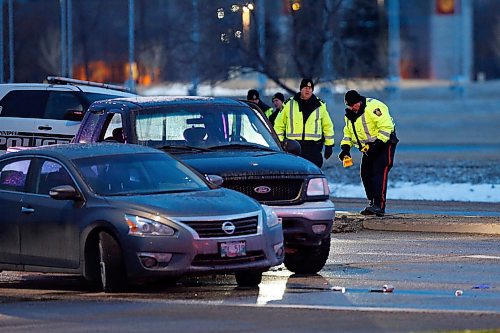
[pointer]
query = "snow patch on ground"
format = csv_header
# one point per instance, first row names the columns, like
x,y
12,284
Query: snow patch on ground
x,y
429,191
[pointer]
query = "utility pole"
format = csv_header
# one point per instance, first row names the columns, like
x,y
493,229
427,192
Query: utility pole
x,y
64,28
394,49
1,43
131,83
196,40
11,41
261,22
70,38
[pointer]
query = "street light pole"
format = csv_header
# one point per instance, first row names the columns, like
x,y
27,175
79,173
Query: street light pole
x,y
1,43
11,42
131,82
261,22
70,38
196,40
63,36
394,49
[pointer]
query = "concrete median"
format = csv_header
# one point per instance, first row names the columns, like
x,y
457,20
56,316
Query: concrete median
x,y
352,222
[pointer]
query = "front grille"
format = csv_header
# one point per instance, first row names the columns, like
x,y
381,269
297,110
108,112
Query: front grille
x,y
212,229
215,259
283,189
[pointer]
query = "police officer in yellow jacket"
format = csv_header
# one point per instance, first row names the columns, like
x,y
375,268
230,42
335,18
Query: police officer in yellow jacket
x,y
305,118
370,128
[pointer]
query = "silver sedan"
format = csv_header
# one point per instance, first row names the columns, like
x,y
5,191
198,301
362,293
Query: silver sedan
x,y
120,213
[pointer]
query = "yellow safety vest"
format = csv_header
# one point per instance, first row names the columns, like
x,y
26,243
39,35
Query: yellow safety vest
x,y
289,124
375,123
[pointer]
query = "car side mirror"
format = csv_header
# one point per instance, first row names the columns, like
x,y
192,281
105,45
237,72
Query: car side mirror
x,y
74,115
291,146
64,192
215,179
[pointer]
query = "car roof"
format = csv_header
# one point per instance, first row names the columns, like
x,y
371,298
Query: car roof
x,y
81,150
156,101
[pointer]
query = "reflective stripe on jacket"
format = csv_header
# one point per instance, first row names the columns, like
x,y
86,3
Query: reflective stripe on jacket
x,y
375,123
290,124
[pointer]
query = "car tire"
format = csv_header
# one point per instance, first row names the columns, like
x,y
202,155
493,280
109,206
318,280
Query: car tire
x,y
308,260
113,275
248,278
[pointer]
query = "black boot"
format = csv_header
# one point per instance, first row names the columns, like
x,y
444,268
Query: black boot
x,y
366,211
376,210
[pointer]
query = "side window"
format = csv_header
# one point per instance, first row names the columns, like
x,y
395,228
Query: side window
x,y
52,174
60,102
114,129
13,175
24,104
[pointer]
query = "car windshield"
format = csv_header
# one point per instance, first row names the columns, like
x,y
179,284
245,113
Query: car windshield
x,y
137,174
204,126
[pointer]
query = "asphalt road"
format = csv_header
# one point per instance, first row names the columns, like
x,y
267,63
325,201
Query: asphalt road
x,y
425,270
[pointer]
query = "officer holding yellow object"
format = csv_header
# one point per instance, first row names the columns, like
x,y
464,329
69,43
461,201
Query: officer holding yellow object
x,y
305,118
370,128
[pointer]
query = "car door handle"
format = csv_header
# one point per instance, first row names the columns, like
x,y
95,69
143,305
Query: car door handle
x,y
45,128
27,210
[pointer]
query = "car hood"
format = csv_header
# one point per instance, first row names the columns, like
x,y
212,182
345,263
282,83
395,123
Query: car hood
x,y
194,203
234,163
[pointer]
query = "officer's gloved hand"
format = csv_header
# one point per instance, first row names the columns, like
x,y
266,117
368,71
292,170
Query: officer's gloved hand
x,y
328,151
345,152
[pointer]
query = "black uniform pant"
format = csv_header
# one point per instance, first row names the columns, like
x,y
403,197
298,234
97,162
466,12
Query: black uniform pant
x,y
311,150
375,169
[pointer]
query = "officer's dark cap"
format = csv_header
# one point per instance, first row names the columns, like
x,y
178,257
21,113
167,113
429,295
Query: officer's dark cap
x,y
352,97
252,94
279,96
306,83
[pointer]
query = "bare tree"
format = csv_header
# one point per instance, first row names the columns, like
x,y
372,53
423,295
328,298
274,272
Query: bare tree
x,y
153,58
50,51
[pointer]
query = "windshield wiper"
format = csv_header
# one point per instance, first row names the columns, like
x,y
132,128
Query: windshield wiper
x,y
181,148
242,145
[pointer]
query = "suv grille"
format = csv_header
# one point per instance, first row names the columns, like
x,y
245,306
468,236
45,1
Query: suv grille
x,y
282,189
212,229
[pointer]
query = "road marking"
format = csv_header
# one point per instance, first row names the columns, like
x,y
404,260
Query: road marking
x,y
482,256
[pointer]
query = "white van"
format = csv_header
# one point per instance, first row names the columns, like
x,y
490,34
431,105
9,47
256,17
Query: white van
x,y
37,114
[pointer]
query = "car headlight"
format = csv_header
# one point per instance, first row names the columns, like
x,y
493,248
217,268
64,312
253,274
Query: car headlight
x,y
271,218
318,186
141,226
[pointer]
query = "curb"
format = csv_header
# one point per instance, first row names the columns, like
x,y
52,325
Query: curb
x,y
353,222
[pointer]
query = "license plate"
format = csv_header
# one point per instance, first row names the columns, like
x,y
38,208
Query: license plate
x,y
233,249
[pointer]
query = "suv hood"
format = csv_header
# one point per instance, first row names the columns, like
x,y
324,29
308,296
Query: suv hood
x,y
233,163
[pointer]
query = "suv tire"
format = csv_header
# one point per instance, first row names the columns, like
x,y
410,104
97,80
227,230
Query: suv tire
x,y
308,260
248,278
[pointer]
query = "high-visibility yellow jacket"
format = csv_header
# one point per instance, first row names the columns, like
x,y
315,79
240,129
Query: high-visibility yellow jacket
x,y
290,124
374,123
268,112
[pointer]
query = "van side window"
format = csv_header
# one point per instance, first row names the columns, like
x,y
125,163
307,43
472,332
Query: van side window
x,y
13,175
24,104
110,129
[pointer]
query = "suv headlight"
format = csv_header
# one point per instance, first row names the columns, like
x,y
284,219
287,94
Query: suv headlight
x,y
141,226
318,186
271,218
